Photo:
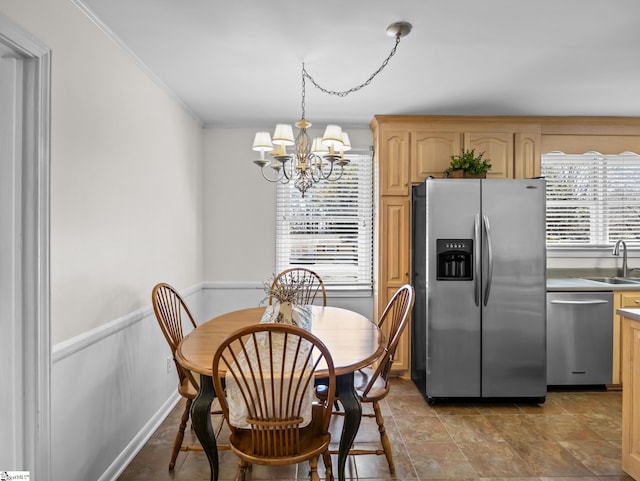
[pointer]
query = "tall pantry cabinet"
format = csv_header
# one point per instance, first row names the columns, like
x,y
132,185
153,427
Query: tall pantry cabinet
x,y
407,150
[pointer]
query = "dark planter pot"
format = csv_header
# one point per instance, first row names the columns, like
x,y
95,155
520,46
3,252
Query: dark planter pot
x,y
461,174
467,175
456,174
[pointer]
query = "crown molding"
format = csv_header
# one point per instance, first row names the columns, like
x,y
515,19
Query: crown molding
x,y
91,15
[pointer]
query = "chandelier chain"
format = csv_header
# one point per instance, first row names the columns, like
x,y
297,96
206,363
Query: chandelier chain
x,y
303,91
323,158
344,93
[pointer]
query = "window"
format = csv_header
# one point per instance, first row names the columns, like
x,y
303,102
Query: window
x,y
592,199
330,230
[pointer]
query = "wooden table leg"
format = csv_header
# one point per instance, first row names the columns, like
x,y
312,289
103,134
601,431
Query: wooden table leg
x,y
201,420
352,416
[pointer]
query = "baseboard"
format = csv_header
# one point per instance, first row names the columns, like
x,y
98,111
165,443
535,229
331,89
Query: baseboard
x,y
133,448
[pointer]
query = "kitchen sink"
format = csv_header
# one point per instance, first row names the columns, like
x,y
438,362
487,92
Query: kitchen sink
x,y
614,280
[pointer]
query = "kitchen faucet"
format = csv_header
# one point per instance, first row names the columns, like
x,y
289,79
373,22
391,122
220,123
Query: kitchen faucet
x,y
616,252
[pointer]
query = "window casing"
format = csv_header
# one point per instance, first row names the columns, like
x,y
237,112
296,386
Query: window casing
x,y
330,230
593,200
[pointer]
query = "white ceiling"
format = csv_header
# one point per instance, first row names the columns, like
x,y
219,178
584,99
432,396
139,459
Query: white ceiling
x,y
239,62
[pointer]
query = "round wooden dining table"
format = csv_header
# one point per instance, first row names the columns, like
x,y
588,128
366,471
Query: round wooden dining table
x,y
352,339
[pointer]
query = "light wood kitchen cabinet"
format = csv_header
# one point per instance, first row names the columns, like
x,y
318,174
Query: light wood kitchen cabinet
x,y
527,154
393,270
402,359
497,147
407,151
631,398
394,171
394,240
621,299
431,153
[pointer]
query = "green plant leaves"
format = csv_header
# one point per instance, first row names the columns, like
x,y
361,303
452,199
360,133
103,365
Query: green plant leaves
x,y
469,162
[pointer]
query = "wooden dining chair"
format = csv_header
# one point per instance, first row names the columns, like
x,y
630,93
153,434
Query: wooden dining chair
x,y
309,284
372,383
173,315
269,400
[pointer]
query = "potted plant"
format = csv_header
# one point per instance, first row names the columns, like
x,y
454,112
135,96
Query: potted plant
x,y
468,165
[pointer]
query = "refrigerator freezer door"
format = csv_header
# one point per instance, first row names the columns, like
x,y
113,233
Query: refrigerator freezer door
x,y
452,318
514,317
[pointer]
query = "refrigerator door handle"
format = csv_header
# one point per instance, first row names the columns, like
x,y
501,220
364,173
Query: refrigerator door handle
x,y
477,259
487,231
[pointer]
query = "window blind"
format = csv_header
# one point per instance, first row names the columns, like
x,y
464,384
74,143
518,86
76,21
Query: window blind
x,y
330,230
592,199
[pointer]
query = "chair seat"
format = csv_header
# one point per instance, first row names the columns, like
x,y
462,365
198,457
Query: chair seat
x,y
187,390
312,442
379,389
361,378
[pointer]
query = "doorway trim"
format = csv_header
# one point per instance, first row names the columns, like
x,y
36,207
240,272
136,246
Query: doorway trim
x,y
34,285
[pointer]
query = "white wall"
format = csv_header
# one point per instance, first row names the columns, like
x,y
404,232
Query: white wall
x,y
603,260
126,192
239,209
239,205
111,389
126,212
239,222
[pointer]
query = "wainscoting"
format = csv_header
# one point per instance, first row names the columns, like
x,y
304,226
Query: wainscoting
x,y
111,389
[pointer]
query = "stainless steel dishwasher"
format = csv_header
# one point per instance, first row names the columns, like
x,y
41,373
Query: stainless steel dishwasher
x,y
579,338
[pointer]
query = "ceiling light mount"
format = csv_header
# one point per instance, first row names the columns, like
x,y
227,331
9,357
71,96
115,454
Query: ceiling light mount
x,y
320,159
399,29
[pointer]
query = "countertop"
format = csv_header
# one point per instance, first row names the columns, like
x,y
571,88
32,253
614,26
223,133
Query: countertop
x,y
629,313
579,284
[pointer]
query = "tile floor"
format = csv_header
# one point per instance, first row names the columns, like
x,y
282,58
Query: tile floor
x,y
573,436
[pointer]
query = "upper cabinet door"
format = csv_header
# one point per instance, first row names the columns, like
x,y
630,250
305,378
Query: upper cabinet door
x,y
431,153
394,162
498,147
527,154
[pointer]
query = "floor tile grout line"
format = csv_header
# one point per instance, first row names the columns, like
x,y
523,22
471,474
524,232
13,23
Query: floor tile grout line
x,y
453,439
521,412
587,410
556,442
404,444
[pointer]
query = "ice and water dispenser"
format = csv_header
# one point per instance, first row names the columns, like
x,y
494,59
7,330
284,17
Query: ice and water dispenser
x,y
455,259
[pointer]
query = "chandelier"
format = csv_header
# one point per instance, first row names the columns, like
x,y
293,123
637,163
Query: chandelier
x,y
323,158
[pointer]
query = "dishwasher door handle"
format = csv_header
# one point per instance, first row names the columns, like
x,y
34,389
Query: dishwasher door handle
x,y
579,302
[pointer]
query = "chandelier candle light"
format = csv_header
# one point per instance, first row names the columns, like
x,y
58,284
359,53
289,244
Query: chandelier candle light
x,y
322,159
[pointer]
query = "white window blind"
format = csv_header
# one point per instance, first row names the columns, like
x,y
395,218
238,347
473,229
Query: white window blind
x,y
592,199
330,230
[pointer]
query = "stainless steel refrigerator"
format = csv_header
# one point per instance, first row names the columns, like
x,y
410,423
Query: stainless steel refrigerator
x,y
479,270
